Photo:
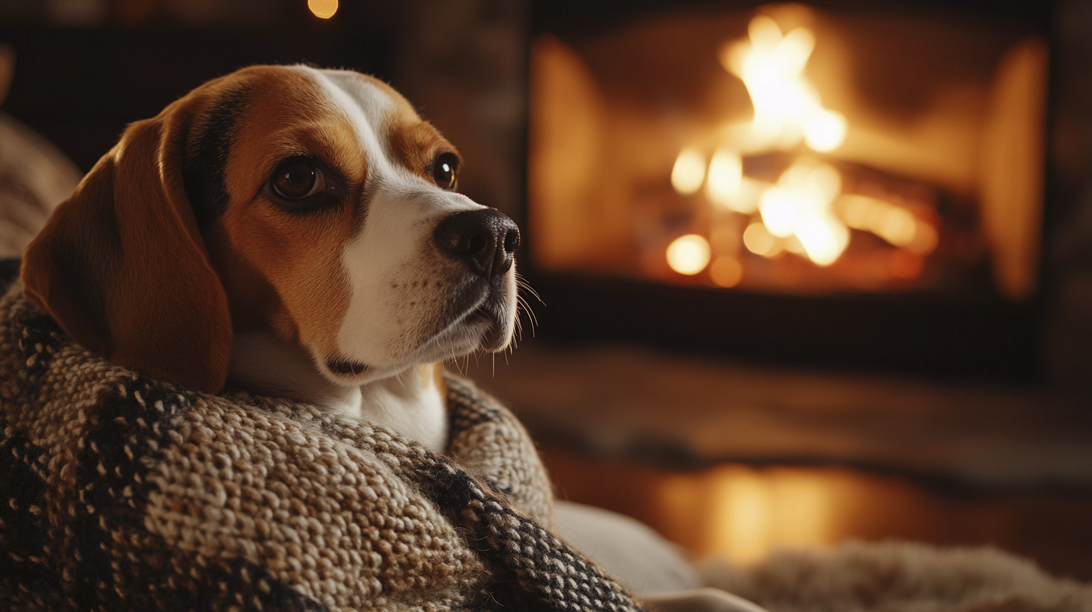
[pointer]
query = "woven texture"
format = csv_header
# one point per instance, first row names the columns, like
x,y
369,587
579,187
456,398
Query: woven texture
x,y
120,492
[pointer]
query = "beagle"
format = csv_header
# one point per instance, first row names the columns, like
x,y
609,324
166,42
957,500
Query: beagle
x,y
290,231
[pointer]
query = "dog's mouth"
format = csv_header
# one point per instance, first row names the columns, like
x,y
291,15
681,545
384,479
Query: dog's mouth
x,y
477,317
479,313
346,367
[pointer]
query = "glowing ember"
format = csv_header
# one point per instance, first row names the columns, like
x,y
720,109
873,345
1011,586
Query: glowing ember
x,y
760,241
925,241
894,224
689,171
726,271
688,254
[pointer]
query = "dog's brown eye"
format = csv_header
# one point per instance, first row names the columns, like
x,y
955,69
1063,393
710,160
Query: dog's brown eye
x,y
445,169
296,179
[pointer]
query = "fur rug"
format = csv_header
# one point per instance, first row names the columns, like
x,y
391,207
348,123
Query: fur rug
x,y
898,577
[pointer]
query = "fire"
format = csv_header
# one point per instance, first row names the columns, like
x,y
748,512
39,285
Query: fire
x,y
805,212
688,172
760,241
787,107
688,254
894,224
801,205
725,183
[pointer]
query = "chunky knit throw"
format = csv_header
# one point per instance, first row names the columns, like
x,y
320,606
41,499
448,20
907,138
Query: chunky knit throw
x,y
120,492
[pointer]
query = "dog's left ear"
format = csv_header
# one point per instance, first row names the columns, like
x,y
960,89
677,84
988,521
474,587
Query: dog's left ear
x,y
122,267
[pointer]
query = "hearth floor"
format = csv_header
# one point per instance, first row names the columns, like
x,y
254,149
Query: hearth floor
x,y
735,460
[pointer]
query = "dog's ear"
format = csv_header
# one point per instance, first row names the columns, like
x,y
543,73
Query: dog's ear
x,y
122,267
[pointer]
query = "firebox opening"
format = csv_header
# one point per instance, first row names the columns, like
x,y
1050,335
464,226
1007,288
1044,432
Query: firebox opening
x,y
791,150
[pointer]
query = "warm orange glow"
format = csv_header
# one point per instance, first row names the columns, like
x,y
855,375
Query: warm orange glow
x,y
786,126
894,224
323,9
725,239
906,265
787,111
779,211
787,106
825,131
743,530
800,205
760,241
726,271
792,245
926,239
823,239
725,182
688,254
755,512
688,172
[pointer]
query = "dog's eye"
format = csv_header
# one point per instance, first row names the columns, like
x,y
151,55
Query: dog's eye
x,y
445,170
297,178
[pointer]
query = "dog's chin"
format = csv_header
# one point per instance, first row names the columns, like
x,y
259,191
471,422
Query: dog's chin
x,y
498,337
487,325
457,341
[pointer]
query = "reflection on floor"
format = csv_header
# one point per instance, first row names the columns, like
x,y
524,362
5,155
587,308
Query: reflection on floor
x,y
735,459
744,512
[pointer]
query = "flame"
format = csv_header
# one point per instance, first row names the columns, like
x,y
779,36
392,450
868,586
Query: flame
x,y
688,254
787,107
688,172
725,183
805,212
895,224
801,205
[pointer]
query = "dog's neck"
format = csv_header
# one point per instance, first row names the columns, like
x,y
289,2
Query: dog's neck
x,y
410,402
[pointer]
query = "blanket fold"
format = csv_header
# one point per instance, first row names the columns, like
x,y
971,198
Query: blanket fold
x,y
118,491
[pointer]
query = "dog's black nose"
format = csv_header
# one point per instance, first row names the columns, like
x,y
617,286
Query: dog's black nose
x,y
485,239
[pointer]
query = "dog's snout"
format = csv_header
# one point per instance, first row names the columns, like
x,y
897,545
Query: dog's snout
x,y
485,239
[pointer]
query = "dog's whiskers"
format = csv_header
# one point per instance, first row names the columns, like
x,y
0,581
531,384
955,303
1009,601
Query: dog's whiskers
x,y
523,304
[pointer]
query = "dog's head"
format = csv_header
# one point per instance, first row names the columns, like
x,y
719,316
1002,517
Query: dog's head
x,y
312,204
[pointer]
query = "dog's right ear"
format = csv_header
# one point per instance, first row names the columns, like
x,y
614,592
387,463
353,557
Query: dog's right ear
x,y
122,267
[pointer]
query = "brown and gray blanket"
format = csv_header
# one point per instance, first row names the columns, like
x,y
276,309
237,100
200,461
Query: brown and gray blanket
x,y
120,492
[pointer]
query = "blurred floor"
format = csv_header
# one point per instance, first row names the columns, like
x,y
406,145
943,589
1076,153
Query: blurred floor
x,y
743,512
736,460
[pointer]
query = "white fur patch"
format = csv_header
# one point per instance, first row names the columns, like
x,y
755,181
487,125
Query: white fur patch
x,y
393,248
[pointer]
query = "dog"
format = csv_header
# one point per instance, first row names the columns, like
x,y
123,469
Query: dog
x,y
290,231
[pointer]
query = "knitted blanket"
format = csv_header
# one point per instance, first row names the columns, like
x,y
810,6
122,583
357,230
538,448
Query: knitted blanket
x,y
120,492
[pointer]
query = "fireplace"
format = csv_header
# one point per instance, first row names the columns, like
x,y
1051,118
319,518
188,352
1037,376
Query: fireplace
x,y
832,184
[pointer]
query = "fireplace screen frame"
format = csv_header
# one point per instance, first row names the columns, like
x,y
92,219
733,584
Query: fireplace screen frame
x,y
933,334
